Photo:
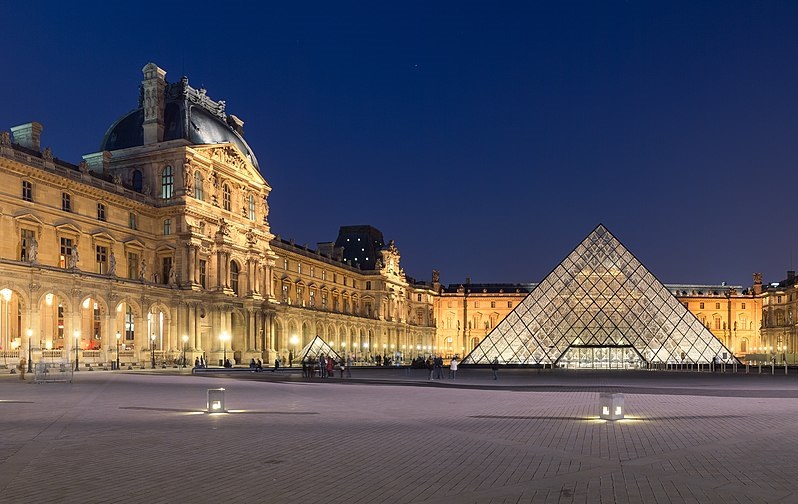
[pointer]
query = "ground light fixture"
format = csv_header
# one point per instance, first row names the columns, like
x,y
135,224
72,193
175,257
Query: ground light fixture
x,y
611,406
216,401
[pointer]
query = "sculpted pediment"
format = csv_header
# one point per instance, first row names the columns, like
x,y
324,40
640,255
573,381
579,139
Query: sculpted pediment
x,y
230,155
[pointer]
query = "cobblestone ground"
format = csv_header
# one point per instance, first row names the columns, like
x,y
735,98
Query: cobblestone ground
x,y
384,437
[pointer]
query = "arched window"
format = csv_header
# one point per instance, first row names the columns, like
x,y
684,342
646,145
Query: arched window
x,y
234,276
226,197
167,183
138,181
198,185
251,207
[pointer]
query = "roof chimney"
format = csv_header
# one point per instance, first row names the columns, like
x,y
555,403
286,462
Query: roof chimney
x,y
790,276
28,135
153,87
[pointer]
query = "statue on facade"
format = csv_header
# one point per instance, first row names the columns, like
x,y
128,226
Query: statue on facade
x,y
74,258
172,275
112,265
143,270
47,154
33,249
436,276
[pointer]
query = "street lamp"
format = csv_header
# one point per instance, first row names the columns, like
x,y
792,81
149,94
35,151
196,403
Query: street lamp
x,y
77,346
30,359
118,337
225,338
293,340
152,350
185,342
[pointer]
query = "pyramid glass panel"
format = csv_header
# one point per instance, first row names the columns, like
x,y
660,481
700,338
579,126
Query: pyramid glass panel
x,y
600,307
318,347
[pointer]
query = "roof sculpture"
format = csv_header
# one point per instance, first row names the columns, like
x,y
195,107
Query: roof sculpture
x,y
600,305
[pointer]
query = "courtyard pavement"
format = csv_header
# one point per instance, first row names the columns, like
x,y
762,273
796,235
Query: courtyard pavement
x,y
382,436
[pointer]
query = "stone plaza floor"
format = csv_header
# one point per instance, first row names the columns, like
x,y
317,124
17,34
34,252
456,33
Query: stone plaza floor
x,y
382,436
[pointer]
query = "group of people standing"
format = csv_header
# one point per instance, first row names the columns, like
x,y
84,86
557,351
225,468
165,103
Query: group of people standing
x,y
326,365
435,367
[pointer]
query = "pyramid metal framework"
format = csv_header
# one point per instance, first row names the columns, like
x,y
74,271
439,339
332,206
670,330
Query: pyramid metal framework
x,y
600,307
316,347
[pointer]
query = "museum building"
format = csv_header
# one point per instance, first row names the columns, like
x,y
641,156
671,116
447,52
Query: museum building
x,y
158,247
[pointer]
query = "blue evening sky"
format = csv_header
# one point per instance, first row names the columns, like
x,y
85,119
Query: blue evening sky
x,y
486,138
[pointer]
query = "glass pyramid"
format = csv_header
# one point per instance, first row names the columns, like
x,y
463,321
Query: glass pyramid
x,y
315,348
599,308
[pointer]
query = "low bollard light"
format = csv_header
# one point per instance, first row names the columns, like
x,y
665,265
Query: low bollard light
x,y
611,406
216,401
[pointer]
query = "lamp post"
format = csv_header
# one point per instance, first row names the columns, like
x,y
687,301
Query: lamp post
x,y
293,340
77,347
30,358
224,337
118,337
185,342
152,350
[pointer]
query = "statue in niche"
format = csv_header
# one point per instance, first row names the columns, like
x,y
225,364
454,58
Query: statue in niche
x,y
143,270
224,229
112,264
172,275
47,154
33,249
74,258
84,166
188,178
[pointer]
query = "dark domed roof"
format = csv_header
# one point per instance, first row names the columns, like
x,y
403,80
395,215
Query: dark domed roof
x,y
188,114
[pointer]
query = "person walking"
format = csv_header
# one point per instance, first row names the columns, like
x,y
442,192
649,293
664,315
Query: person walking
x,y
430,367
495,367
21,368
453,368
349,366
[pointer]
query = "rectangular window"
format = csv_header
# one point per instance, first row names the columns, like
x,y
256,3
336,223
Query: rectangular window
x,y
66,202
717,306
26,238
493,304
313,272
132,221
167,183
418,298
167,227
102,259
509,304
743,306
299,267
66,251
285,264
203,272
476,304
130,327
368,285
132,265
700,306
101,211
27,190
324,274
778,299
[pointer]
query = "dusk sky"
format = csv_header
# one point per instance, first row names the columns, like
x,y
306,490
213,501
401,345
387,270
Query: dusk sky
x,y
486,138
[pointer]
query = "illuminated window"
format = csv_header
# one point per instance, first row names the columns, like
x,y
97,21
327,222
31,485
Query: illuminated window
x,y
101,254
66,251
130,327
226,197
251,207
167,183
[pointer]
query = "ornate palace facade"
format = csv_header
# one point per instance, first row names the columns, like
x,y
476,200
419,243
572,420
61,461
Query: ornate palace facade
x,y
159,246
